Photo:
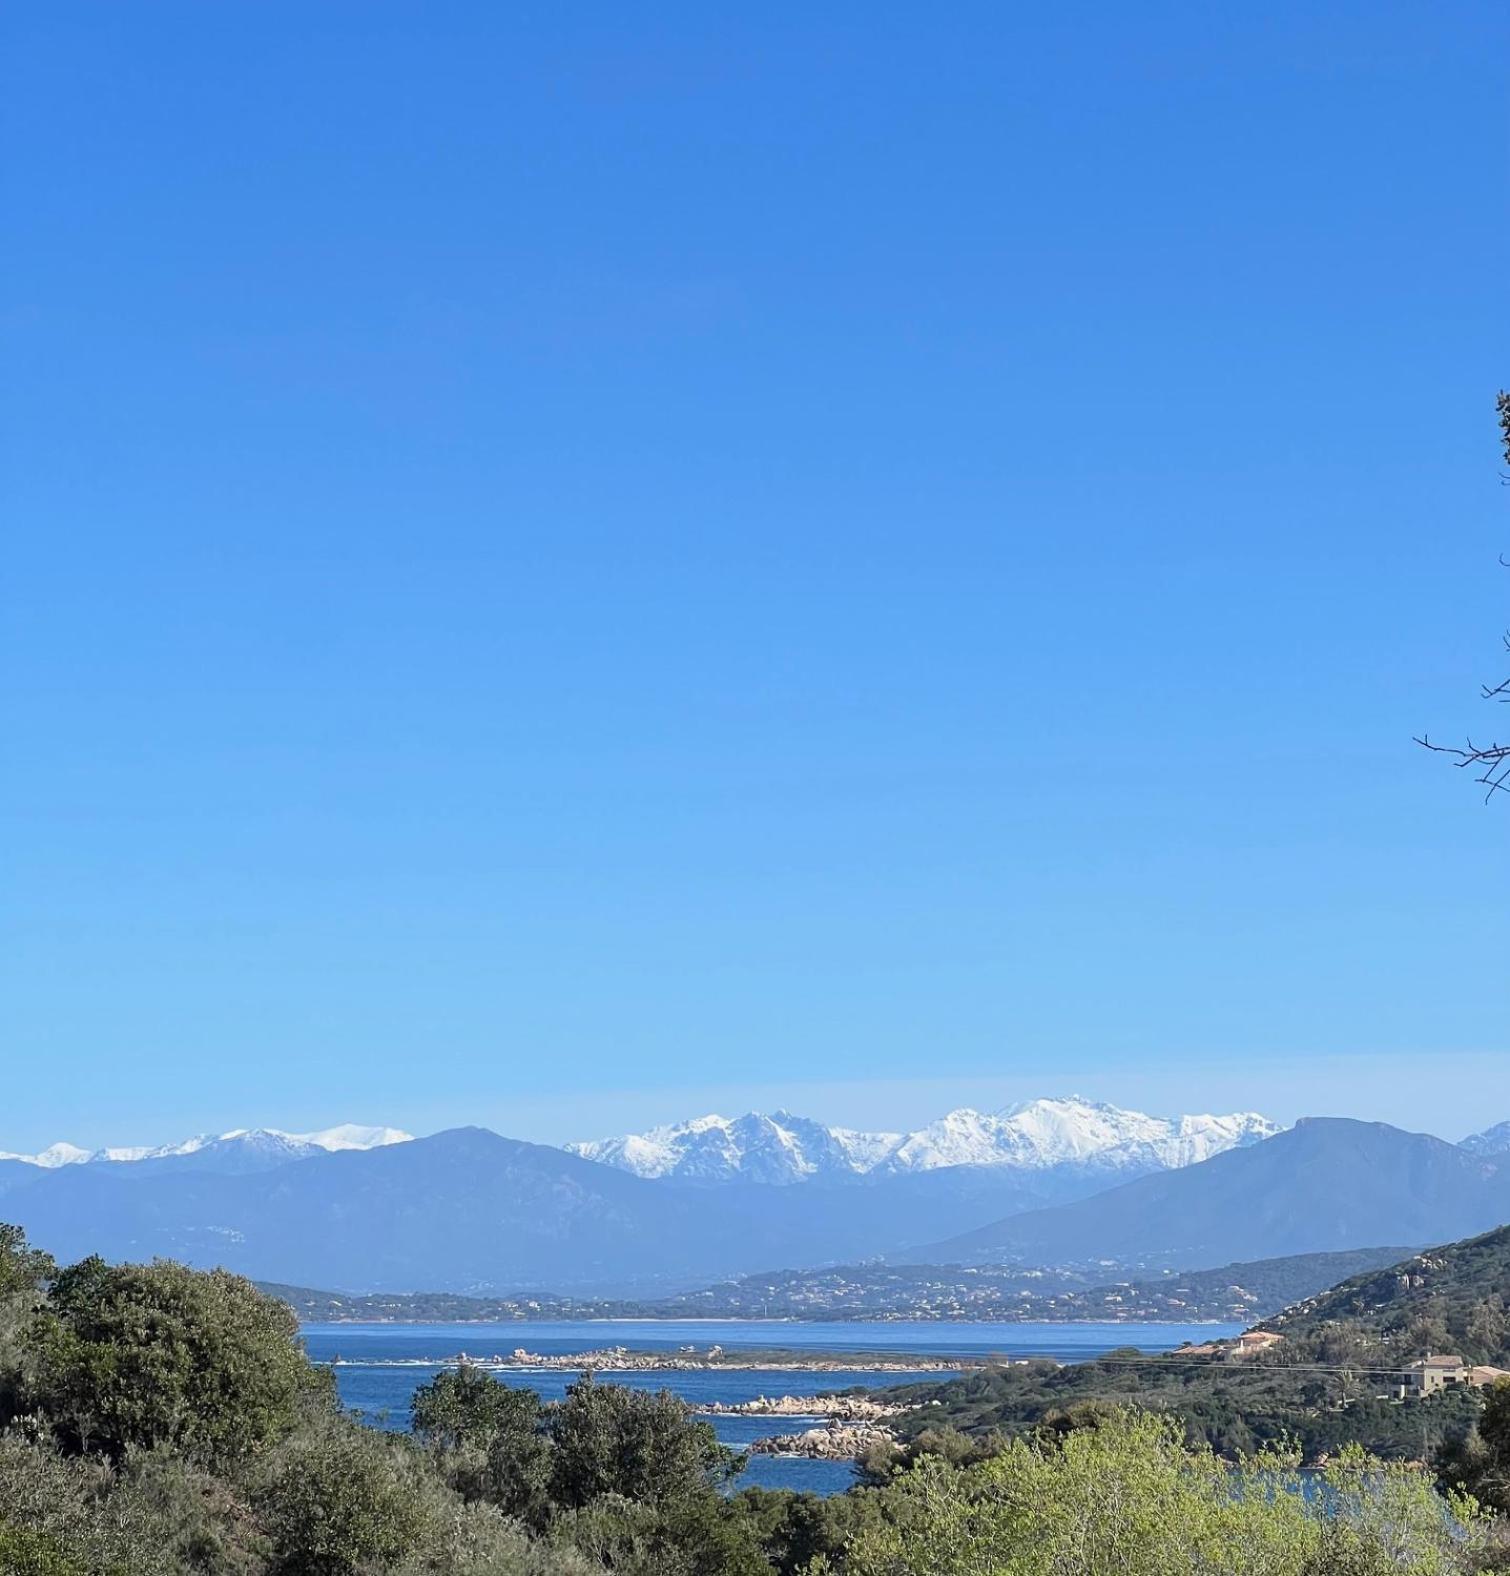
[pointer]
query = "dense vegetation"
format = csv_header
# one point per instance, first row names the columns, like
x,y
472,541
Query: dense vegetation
x,y
1233,1406
156,1421
1448,1299
1124,1493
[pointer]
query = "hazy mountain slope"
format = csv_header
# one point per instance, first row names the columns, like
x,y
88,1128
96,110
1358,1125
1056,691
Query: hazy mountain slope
x,y
468,1210
1326,1185
1492,1141
17,1173
880,1213
464,1208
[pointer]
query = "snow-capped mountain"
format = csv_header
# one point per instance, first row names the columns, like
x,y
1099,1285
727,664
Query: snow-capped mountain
x,y
1492,1141
1037,1136
1045,1133
267,1145
52,1157
753,1148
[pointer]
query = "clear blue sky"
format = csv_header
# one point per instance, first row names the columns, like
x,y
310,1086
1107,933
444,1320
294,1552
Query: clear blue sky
x,y
567,564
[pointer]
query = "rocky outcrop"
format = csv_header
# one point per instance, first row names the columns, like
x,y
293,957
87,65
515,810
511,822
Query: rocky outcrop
x,y
841,1408
836,1441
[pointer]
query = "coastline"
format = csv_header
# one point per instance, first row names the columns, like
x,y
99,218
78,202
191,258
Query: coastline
x,y
858,1317
624,1361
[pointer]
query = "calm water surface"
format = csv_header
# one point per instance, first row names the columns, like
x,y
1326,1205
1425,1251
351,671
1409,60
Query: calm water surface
x,y
383,1364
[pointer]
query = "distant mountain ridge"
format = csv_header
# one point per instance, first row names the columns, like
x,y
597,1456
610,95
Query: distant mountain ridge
x,y
1039,1135
1324,1185
468,1211
1492,1141
271,1143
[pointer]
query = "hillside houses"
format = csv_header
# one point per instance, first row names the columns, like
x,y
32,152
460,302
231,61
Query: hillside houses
x,y
1434,1373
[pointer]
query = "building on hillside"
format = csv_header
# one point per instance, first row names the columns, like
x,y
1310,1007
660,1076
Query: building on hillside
x,y
1251,1342
1484,1375
1435,1373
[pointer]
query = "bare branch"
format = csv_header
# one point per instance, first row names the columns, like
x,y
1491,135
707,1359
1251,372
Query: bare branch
x,y
1494,759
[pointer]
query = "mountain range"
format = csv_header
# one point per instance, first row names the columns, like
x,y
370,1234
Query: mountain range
x,y
1326,1184
1039,1135
241,1148
470,1211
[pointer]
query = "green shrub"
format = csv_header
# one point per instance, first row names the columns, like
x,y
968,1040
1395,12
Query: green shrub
x,y
1128,1498
24,1552
489,1441
338,1498
65,1513
609,1439
159,1355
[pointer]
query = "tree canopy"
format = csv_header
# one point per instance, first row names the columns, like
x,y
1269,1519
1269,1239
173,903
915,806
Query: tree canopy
x,y
140,1355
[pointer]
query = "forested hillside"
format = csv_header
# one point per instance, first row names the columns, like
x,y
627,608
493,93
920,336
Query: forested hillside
x,y
1454,1298
1334,1379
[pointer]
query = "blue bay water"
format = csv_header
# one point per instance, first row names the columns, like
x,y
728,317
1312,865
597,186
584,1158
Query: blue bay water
x,y
381,1365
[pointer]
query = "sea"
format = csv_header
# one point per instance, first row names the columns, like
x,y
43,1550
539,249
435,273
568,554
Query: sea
x,y
379,1366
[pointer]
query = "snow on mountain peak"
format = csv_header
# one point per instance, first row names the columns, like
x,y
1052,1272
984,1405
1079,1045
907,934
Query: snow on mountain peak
x,y
1492,1141
778,1148
52,1157
1043,1133
348,1135
351,1135
865,1151
1034,1136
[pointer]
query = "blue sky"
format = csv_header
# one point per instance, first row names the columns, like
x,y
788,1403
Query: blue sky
x,y
572,564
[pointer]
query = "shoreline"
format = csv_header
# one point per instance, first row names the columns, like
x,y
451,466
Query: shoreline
x,y
781,1319
681,1362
